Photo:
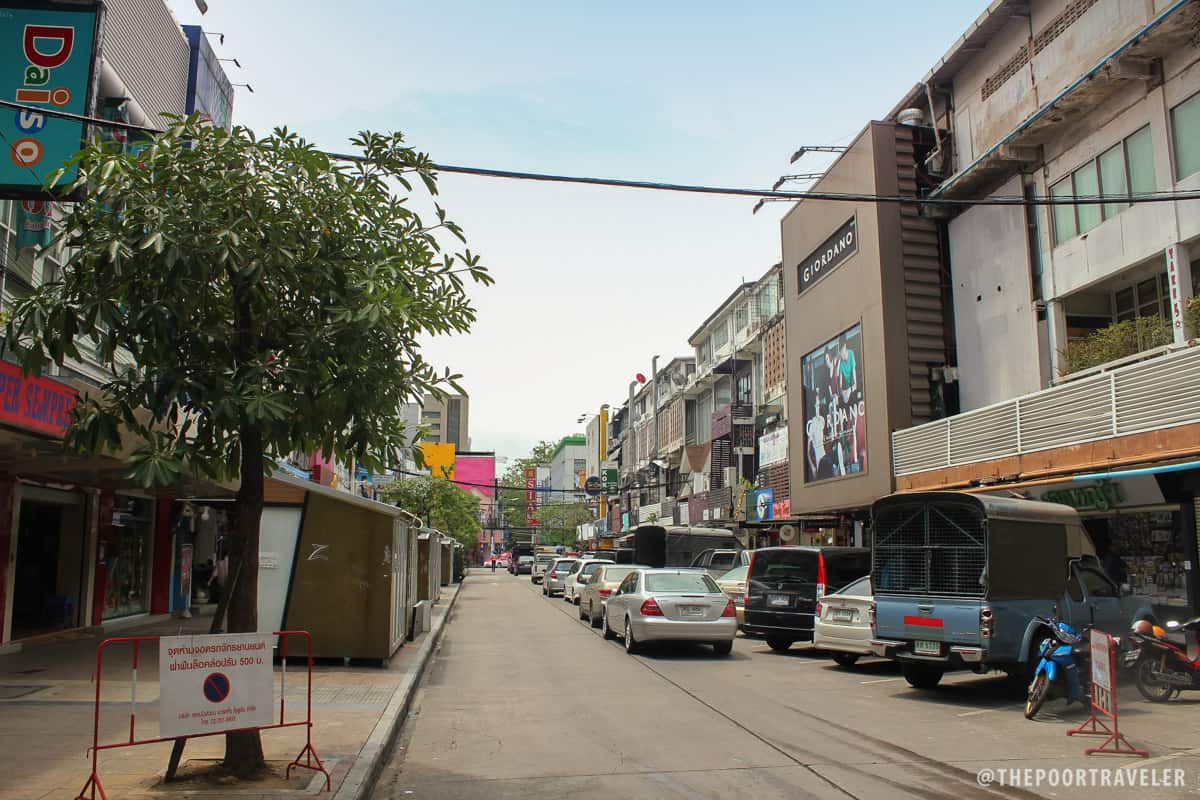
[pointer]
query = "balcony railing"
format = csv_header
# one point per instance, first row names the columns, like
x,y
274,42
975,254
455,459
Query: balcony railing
x,y
1144,396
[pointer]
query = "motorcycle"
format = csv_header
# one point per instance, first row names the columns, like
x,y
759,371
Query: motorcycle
x,y
1057,663
1162,668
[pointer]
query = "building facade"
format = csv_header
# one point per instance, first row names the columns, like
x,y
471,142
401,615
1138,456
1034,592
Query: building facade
x,y
447,420
79,543
1076,363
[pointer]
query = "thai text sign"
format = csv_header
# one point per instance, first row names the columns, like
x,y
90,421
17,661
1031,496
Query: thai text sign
x,y
773,447
1102,683
531,496
214,683
46,57
37,404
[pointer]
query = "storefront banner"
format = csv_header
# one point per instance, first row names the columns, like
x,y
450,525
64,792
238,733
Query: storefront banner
x,y
47,52
1096,496
762,505
783,509
35,221
835,408
36,404
773,447
214,683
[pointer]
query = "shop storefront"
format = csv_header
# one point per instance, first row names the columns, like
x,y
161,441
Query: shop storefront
x,y
1143,529
50,553
127,557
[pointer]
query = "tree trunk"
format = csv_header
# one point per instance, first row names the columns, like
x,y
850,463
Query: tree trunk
x,y
243,750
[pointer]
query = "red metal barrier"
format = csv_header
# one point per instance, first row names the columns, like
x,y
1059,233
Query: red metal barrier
x,y
1104,701
93,788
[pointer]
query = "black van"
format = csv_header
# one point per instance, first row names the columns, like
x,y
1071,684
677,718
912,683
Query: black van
x,y
784,584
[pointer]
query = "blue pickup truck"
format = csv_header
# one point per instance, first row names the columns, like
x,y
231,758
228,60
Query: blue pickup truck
x,y
959,579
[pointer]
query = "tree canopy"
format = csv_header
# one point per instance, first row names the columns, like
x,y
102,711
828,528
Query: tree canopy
x,y
440,504
249,298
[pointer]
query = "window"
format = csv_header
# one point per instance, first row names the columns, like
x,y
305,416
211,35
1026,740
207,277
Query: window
x,y
1145,299
722,561
1123,171
1185,131
682,582
743,318
431,415
706,350
1096,585
720,336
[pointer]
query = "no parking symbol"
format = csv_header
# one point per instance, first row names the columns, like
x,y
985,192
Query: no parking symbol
x,y
216,687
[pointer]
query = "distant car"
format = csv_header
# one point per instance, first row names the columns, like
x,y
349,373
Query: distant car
x,y
717,562
542,562
733,583
843,622
556,576
670,605
785,583
524,565
572,587
595,593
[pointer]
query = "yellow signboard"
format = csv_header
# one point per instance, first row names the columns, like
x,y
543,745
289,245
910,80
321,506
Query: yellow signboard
x,y
439,458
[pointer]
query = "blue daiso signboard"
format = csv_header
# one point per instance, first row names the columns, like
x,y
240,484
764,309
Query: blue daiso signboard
x,y
47,51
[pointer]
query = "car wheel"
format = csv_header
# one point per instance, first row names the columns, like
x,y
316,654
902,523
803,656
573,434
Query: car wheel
x,y
576,599
723,648
608,632
846,660
779,645
922,676
631,644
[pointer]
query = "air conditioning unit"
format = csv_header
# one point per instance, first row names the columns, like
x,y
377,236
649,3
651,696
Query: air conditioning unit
x,y
730,476
788,534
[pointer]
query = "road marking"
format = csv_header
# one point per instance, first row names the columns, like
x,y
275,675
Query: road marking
x,y
977,713
1168,757
881,680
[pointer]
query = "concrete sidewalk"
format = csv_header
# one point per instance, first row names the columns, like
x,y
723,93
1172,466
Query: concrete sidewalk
x,y
47,699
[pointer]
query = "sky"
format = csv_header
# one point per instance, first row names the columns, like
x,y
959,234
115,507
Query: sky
x,y
590,282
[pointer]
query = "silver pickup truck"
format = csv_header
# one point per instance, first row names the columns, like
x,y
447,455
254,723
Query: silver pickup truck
x,y
960,579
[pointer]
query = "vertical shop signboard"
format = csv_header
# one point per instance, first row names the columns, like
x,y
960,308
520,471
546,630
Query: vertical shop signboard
x,y
47,55
531,496
1179,284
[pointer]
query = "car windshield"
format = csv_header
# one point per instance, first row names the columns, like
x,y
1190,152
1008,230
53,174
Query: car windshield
x,y
735,574
722,560
589,569
563,566
680,582
525,560
574,568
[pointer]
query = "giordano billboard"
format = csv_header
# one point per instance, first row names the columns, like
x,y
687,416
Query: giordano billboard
x,y
835,409
47,53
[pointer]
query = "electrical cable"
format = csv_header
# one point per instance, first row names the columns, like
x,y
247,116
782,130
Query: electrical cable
x,y
504,487
843,197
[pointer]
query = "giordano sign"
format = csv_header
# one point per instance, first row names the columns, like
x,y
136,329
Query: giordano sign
x,y
840,245
1100,496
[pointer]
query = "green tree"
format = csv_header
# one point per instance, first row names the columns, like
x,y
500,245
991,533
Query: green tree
x,y
557,522
272,300
512,500
440,504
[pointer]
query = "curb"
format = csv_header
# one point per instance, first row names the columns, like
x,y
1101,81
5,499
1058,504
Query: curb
x,y
369,762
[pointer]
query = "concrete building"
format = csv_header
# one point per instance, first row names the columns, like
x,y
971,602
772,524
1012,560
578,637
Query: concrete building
x,y
568,471
448,420
81,544
1076,368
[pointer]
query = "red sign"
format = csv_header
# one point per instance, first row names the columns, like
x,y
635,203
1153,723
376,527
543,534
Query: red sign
x,y
1104,700
531,496
36,404
783,509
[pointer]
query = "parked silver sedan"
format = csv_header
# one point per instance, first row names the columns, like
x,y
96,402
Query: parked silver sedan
x,y
556,576
670,605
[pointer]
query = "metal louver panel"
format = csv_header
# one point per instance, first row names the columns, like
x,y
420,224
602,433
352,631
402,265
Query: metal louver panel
x,y
991,433
1160,392
1161,395
1067,414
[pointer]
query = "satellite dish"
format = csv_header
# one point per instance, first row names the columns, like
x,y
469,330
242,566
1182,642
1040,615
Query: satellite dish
x,y
788,533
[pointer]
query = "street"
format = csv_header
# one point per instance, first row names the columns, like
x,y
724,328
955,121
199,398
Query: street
x,y
523,700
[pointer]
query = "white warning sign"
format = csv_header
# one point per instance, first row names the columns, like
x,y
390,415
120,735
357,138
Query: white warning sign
x,y
216,683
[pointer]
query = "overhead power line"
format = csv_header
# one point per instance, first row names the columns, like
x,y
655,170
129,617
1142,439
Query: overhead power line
x,y
728,191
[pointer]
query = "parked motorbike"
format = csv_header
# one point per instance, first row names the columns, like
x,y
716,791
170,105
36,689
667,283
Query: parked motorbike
x,y
1063,658
1162,668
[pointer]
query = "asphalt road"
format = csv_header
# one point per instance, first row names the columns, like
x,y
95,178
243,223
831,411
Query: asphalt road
x,y
525,701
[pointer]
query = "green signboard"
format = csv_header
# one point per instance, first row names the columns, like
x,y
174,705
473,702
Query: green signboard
x,y
610,481
47,52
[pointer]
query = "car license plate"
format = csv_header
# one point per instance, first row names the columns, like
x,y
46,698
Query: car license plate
x,y
692,611
843,615
927,648
779,600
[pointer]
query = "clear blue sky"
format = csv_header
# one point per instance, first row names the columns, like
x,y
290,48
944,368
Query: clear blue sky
x,y
591,282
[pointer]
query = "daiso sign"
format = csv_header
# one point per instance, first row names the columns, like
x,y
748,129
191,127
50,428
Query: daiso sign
x,y
46,57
